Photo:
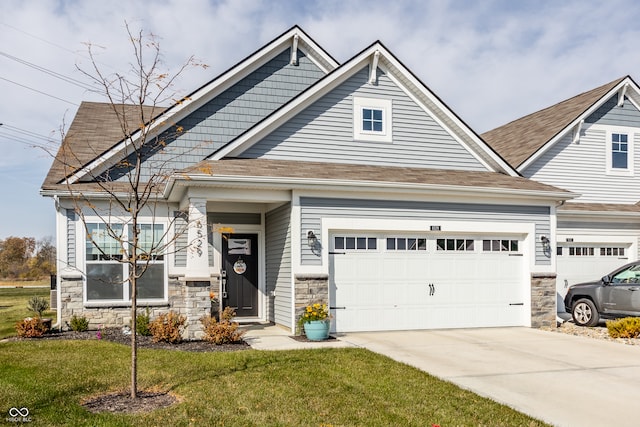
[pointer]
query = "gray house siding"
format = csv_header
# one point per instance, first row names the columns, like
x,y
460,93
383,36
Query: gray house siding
x,y
314,209
71,237
232,112
278,261
181,239
324,132
610,114
582,167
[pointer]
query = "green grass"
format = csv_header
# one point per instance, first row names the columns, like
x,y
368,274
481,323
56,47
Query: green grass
x,y
324,387
13,307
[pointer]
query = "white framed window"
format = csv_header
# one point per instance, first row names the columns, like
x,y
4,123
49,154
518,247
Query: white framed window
x,y
500,245
619,151
455,245
106,275
355,243
406,244
372,119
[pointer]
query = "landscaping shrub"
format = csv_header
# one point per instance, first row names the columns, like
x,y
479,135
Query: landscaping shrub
x,y
31,327
79,324
38,305
168,327
223,332
142,323
629,327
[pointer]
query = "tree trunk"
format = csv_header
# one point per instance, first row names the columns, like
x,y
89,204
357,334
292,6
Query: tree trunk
x,y
134,342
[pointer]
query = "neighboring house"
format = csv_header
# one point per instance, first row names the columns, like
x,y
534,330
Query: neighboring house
x,y
590,146
350,184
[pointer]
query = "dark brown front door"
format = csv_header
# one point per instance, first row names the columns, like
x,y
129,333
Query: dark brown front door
x,y
240,264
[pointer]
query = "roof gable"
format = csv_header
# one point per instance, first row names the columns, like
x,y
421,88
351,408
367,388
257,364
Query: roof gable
x,y
524,140
375,56
324,131
295,40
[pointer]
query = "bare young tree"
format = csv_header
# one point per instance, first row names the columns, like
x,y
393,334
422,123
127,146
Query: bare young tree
x,y
119,193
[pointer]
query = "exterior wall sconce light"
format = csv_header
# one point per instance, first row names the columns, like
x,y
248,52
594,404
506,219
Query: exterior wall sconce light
x,y
545,243
312,240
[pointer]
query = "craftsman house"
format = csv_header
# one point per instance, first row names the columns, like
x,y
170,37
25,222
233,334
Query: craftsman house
x,y
350,183
585,145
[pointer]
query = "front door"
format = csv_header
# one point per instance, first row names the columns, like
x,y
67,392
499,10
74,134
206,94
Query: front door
x,y
240,263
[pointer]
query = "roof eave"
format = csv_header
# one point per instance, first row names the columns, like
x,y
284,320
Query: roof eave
x,y
325,184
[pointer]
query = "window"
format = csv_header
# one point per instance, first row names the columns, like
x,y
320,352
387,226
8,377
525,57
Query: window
x,y
619,145
581,251
372,119
106,275
406,244
457,245
611,251
355,243
619,151
500,245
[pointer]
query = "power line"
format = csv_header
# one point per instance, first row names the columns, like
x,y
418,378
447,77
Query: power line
x,y
38,91
49,72
26,132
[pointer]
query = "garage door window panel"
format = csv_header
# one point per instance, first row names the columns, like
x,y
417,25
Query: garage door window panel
x,y
455,245
500,245
406,244
353,243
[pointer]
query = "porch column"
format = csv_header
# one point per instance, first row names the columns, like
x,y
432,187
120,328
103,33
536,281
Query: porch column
x,y
198,253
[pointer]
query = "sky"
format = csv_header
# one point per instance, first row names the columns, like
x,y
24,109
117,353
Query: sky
x,y
490,61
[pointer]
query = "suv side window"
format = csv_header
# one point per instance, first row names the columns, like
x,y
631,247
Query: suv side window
x,y
630,275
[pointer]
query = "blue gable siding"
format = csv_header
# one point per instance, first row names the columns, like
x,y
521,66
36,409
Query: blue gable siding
x,y
324,132
314,209
610,114
232,112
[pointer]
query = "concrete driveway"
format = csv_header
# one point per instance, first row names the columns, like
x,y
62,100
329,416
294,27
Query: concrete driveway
x,y
561,379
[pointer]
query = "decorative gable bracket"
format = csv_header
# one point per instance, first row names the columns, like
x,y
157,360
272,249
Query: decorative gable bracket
x,y
294,50
373,75
621,95
577,131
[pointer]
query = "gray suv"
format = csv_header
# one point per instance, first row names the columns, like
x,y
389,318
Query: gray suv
x,y
615,295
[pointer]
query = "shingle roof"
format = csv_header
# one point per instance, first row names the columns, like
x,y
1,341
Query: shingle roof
x,y
353,172
599,207
520,139
94,130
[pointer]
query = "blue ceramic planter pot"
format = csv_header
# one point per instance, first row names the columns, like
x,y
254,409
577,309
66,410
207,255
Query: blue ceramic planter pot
x,y
317,330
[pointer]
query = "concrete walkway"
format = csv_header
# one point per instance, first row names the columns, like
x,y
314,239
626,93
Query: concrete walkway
x,y
561,379
272,337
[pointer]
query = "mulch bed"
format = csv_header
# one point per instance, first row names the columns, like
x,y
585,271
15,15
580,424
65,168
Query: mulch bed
x,y
116,335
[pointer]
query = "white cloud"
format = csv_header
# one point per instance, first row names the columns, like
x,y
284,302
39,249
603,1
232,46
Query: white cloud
x,y
490,61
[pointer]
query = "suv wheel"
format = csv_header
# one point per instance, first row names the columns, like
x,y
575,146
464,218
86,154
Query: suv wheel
x,y
584,313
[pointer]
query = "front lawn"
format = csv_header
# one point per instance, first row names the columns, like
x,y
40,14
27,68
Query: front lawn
x,y
13,307
323,387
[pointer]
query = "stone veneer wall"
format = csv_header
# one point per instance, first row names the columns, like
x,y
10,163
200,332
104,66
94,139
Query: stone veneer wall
x,y
191,299
310,289
543,300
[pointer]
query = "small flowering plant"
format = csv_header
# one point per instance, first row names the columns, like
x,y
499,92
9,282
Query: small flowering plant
x,y
312,312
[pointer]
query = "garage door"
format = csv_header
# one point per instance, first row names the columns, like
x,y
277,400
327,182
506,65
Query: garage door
x,y
584,262
400,282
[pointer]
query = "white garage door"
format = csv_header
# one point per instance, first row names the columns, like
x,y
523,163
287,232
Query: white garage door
x,y
399,282
584,262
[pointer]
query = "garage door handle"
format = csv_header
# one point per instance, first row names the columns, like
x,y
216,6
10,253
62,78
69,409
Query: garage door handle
x,y
337,253
517,303
516,254
337,308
